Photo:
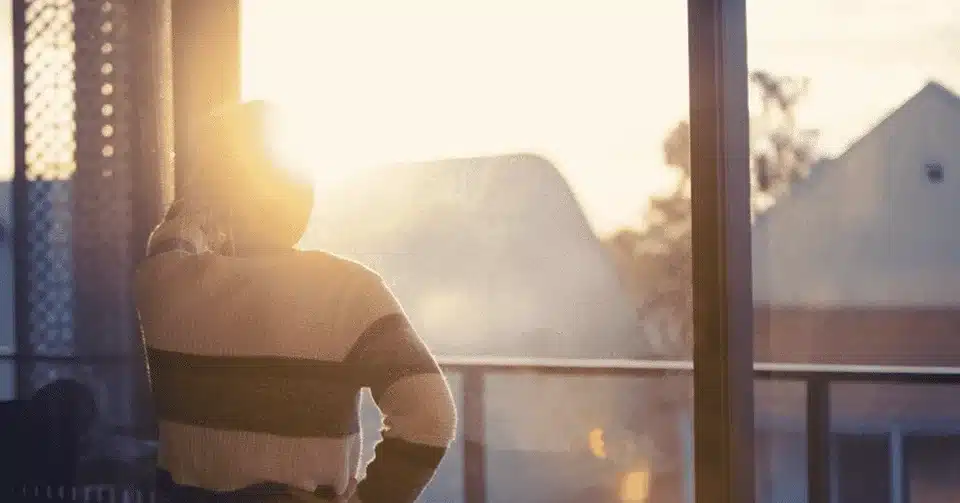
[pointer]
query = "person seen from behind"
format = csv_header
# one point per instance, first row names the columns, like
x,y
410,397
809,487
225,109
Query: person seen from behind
x,y
258,351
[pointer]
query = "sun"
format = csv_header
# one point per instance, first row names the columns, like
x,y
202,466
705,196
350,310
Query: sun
x,y
304,145
302,131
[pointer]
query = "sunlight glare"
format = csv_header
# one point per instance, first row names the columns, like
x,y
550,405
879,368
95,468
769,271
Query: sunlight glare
x,y
379,85
597,446
300,145
636,487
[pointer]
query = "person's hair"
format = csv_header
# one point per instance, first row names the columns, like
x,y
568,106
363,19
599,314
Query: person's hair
x,y
222,151
228,160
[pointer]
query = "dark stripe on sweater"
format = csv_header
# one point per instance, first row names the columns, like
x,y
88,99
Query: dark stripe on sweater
x,y
283,396
399,471
387,351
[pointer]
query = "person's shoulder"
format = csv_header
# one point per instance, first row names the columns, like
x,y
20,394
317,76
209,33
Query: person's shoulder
x,y
356,285
344,274
334,266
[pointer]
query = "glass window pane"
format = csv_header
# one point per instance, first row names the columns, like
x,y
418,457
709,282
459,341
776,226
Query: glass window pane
x,y
854,117
931,463
854,257
781,441
517,172
568,439
892,430
864,461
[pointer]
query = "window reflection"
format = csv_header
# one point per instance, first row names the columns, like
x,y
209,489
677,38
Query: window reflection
x,y
482,159
854,258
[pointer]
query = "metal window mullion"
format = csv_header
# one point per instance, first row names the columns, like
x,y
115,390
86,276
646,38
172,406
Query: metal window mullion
x,y
21,256
722,298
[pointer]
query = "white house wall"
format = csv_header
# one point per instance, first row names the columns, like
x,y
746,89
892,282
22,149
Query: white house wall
x,y
870,229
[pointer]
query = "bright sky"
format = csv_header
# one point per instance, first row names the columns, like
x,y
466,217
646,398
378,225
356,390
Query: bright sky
x,y
592,85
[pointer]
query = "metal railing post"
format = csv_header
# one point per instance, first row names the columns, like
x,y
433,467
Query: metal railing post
x,y
817,378
474,435
818,440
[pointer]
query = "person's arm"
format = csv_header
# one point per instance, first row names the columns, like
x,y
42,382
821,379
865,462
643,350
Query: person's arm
x,y
412,394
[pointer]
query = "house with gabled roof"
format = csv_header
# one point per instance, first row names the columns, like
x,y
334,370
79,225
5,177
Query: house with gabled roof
x,y
860,264
493,256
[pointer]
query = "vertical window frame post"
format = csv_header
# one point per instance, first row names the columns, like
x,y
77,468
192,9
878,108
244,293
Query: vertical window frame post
x,y
206,69
722,281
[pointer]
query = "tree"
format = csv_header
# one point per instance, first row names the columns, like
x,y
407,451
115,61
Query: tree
x,y
655,260
783,153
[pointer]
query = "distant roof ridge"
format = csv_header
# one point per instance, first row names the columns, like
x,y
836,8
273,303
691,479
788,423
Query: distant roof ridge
x,y
939,86
822,165
494,163
932,85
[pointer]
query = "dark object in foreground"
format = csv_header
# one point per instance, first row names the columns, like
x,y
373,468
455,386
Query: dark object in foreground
x,y
42,439
267,492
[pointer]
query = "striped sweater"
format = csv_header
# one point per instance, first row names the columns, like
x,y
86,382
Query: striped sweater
x,y
257,362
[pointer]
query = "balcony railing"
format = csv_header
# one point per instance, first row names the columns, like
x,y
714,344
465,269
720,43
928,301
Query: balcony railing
x,y
816,377
474,371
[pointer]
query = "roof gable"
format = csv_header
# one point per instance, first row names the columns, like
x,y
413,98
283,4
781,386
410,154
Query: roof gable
x,y
480,252
820,172
869,227
932,90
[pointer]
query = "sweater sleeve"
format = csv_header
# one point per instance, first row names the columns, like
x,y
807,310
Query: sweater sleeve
x,y
419,416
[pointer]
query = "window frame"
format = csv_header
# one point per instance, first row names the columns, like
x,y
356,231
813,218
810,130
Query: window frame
x,y
723,302
722,266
